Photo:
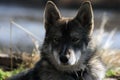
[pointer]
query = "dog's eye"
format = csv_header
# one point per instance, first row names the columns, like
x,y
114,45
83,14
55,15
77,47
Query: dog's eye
x,y
56,40
75,40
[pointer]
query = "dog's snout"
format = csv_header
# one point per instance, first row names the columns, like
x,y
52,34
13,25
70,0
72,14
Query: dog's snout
x,y
63,59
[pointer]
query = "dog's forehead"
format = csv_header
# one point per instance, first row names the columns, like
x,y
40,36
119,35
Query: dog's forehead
x,y
69,25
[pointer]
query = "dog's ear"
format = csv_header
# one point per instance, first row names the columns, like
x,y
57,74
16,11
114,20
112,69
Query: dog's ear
x,y
51,13
85,15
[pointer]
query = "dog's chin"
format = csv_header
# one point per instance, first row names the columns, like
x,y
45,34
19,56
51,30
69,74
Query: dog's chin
x,y
70,68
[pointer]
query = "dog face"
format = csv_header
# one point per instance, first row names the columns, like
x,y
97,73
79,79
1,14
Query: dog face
x,y
66,40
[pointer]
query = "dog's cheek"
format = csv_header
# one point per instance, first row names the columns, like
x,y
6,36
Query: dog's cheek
x,y
78,55
74,56
72,59
56,57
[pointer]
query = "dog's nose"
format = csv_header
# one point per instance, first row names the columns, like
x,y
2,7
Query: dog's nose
x,y
63,59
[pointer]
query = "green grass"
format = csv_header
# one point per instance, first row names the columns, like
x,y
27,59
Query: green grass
x,y
6,74
112,72
3,74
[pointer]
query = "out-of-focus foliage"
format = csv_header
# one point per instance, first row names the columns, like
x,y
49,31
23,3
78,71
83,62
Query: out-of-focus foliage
x,y
6,74
112,73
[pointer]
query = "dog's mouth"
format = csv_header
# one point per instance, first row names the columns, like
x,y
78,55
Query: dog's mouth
x,y
70,59
68,62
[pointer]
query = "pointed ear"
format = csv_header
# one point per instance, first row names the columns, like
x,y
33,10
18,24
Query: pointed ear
x,y
51,13
85,15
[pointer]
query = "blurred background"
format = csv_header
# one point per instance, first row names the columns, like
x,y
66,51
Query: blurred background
x,y
22,28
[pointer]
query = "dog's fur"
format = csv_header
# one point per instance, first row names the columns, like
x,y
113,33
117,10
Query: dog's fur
x,y
67,52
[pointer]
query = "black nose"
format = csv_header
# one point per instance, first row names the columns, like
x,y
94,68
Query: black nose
x,y
63,59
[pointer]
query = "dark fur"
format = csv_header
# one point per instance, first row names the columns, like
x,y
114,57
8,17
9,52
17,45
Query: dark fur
x,y
62,35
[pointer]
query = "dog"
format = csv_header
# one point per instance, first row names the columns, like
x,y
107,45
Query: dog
x,y
67,52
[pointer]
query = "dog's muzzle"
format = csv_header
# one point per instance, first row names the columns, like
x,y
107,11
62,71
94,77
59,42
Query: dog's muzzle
x,y
64,59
